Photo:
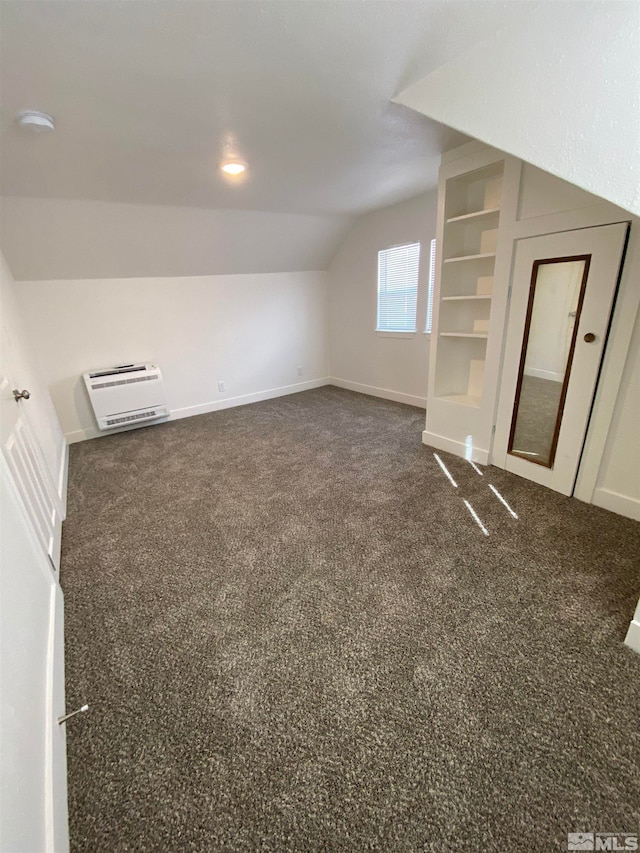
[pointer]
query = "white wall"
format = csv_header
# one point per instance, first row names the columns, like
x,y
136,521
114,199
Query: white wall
x,y
251,331
557,89
49,238
618,485
360,358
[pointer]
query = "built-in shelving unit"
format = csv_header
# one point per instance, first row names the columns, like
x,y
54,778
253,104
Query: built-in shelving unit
x,y
469,240
476,197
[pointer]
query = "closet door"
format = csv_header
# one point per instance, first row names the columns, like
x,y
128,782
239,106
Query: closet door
x,y
562,295
27,464
33,769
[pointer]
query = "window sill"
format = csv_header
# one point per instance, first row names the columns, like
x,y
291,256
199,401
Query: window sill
x,y
382,334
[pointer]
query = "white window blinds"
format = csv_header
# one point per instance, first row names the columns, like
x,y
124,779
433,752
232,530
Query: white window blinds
x,y
398,288
432,284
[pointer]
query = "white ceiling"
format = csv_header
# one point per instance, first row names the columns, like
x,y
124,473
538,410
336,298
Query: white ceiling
x,y
147,94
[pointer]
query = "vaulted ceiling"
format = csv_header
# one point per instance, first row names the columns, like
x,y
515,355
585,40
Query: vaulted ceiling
x,y
148,96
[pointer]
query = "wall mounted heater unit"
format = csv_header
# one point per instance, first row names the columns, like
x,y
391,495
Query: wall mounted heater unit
x,y
126,395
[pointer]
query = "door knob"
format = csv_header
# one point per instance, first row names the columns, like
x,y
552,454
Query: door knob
x,y
20,395
589,338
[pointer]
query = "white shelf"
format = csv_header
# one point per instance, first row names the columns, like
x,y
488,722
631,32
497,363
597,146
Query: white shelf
x,y
464,334
461,399
464,298
471,204
477,214
470,257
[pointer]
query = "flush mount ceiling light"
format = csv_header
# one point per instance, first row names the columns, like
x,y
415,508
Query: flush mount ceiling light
x,y
233,168
35,121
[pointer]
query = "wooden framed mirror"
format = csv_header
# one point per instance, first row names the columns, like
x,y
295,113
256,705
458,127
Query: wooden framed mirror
x,y
556,294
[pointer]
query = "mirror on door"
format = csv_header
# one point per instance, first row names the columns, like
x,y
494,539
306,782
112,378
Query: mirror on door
x,y
555,300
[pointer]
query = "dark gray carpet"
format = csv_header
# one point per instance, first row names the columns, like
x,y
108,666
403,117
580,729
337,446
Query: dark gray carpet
x,y
294,637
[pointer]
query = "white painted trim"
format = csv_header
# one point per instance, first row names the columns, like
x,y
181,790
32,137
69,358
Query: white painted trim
x,y
552,375
93,432
205,408
384,393
569,220
246,399
615,502
383,333
459,448
63,479
633,636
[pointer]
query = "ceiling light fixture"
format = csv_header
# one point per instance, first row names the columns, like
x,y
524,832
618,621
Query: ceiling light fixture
x,y
233,168
35,121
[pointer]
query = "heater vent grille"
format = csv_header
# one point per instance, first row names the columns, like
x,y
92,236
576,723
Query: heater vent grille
x,y
128,381
125,419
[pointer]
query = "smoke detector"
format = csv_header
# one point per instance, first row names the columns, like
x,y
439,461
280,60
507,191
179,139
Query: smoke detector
x,y
35,121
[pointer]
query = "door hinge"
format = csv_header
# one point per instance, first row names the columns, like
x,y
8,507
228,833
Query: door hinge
x,y
509,292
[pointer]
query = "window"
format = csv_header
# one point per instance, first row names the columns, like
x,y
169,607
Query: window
x,y
398,288
432,284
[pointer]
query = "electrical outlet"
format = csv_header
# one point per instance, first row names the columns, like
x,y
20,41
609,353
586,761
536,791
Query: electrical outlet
x,y
221,386
300,371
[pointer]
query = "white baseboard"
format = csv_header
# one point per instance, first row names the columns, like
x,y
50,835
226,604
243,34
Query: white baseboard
x,y
458,448
204,408
615,502
77,435
245,399
384,393
633,636
553,375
